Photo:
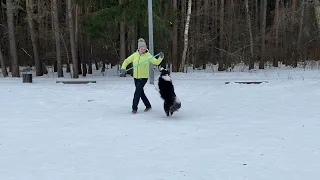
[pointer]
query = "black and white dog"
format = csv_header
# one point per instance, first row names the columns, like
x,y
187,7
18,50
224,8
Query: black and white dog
x,y
166,90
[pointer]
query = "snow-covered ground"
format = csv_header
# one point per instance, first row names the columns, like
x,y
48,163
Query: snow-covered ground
x,y
266,131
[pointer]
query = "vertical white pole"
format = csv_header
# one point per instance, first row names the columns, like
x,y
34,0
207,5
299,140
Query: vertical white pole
x,y
150,20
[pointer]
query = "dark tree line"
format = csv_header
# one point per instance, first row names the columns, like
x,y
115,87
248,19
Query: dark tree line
x,y
76,34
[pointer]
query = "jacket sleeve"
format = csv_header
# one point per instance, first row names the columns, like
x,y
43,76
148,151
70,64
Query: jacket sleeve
x,y
156,61
127,61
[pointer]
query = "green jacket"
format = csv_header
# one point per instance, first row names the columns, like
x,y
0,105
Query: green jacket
x,y
141,71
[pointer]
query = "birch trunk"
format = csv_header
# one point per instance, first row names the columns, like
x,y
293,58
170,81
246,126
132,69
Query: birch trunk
x,y
183,12
186,32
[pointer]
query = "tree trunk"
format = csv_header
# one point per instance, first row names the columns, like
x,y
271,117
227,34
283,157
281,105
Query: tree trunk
x,y
229,32
88,54
293,6
12,39
263,34
257,28
197,34
216,33
83,50
68,69
122,36
30,10
292,41
186,31
133,44
55,63
206,30
300,46
257,16
317,12
2,63
77,38
183,13
57,36
89,46
90,59
168,58
251,61
175,38
72,41
276,58
221,59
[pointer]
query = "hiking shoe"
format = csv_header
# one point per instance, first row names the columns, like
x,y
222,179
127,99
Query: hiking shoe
x,y
147,109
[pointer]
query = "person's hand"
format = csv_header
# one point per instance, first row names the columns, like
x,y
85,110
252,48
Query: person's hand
x,y
161,55
122,73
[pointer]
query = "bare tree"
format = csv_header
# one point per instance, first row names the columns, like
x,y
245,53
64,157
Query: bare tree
x,y
72,41
2,63
183,13
57,36
12,39
30,11
251,64
122,35
263,33
221,42
300,34
186,31
276,23
175,38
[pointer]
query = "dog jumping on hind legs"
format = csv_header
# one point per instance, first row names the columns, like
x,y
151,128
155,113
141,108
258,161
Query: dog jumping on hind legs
x,y
166,90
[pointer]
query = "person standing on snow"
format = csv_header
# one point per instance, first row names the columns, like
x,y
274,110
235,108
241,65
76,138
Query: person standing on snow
x,y
140,73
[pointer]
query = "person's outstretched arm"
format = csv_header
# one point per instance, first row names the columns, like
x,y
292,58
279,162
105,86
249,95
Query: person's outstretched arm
x,y
157,61
127,61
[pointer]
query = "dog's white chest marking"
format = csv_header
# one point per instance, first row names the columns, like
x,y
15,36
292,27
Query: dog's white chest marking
x,y
166,78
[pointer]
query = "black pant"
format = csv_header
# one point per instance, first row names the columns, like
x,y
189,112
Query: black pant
x,y
139,93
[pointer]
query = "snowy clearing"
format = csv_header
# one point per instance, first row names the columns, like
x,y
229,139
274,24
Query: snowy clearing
x,y
222,132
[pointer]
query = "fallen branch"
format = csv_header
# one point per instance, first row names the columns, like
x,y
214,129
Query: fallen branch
x,y
248,82
27,53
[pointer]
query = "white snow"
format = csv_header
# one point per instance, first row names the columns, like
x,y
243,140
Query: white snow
x,y
267,131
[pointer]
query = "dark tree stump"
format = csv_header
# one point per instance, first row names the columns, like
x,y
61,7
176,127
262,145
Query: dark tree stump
x,y
27,78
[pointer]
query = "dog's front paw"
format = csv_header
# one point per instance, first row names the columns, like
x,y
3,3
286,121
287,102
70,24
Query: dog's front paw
x,y
167,112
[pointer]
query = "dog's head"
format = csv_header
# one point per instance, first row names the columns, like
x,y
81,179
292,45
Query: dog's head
x,y
165,74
